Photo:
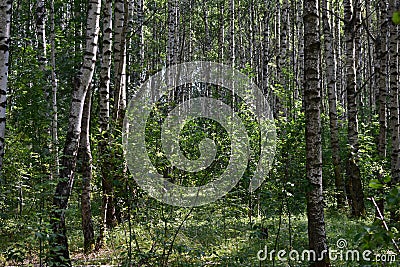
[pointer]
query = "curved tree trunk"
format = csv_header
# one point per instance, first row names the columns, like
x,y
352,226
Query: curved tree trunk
x,y
86,156
59,253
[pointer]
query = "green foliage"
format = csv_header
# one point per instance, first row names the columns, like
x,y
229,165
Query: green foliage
x,y
228,232
396,17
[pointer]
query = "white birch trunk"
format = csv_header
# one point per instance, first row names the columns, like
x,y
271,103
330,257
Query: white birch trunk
x,y
120,23
353,169
394,92
331,67
5,22
312,103
172,32
54,85
108,211
68,161
381,72
86,170
41,33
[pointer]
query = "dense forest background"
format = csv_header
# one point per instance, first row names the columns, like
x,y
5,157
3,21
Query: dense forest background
x,y
329,70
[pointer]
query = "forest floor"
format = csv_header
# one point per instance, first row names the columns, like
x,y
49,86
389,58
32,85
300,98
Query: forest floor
x,y
224,238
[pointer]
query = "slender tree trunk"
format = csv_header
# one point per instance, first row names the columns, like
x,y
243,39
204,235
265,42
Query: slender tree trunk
x,y
312,103
5,22
109,188
41,33
282,62
394,105
231,49
140,49
207,41
252,30
119,165
266,48
42,60
140,21
86,156
353,170
381,46
221,33
189,45
78,26
331,84
239,53
54,85
104,118
300,47
121,18
279,51
172,32
369,71
59,253
394,93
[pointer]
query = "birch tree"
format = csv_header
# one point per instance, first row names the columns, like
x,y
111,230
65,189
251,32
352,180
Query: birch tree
x,y
119,168
394,93
266,47
5,22
59,252
382,57
104,119
353,169
221,30
312,103
331,88
172,43
121,12
54,85
41,33
232,43
86,156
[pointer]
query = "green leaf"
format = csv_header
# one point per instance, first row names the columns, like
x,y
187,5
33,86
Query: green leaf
x,y
396,17
375,184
